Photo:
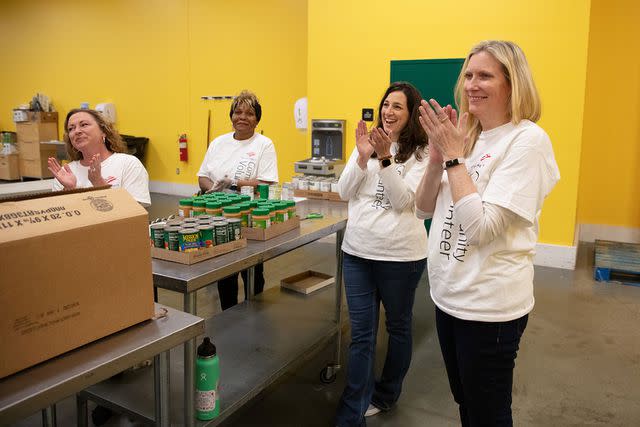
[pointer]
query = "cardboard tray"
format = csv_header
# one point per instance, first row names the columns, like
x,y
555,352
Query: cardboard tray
x,y
271,232
307,282
200,255
322,195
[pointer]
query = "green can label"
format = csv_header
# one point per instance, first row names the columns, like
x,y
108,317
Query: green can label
x,y
157,235
235,229
171,238
189,240
222,235
207,238
261,223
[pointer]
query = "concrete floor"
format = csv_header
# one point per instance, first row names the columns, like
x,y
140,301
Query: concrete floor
x,y
579,362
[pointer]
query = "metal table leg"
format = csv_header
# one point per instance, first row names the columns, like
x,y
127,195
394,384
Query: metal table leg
x,y
251,279
189,366
338,284
328,374
49,416
82,412
161,388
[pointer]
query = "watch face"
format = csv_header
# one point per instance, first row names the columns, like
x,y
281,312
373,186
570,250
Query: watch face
x,y
386,162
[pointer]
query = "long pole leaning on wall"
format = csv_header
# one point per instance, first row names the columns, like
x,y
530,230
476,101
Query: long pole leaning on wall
x,y
213,98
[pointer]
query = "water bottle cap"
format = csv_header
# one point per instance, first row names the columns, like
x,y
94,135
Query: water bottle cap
x,y
206,349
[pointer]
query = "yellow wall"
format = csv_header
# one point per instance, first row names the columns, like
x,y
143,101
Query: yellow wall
x,y
364,35
610,174
154,59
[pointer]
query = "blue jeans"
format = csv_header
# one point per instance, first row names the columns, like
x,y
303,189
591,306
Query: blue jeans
x,y
367,283
480,358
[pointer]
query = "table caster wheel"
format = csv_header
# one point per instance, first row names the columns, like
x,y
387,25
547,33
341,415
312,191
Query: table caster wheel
x,y
328,374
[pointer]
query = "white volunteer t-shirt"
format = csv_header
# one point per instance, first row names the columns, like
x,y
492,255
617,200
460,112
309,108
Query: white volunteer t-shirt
x,y
382,222
512,166
253,158
120,171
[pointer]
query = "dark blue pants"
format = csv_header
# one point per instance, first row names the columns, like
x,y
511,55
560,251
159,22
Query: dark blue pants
x,y
480,357
228,287
367,283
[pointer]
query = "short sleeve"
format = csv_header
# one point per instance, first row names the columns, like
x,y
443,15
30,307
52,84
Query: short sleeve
x,y
525,176
268,166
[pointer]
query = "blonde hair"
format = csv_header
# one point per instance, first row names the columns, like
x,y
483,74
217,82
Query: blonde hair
x,y
112,139
524,101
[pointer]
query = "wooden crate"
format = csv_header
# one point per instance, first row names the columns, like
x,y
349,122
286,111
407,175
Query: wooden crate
x,y
307,282
617,261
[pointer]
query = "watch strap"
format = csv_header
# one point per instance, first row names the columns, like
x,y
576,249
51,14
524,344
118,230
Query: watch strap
x,y
385,162
453,162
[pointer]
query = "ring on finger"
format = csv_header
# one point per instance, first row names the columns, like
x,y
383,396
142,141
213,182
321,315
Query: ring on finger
x,y
443,118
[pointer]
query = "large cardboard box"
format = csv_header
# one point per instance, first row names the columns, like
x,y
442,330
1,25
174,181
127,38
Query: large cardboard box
x,y
73,268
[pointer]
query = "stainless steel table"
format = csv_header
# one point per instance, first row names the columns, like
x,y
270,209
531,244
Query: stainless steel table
x,y
187,279
45,384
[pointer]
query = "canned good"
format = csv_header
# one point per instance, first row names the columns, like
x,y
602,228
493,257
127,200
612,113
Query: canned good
x,y
247,190
199,207
221,233
171,239
314,185
157,235
334,186
282,213
190,221
234,228
260,217
189,239
214,208
207,238
325,186
263,191
303,184
204,217
185,207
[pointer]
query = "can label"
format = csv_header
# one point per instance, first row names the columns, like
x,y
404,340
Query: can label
x,y
157,236
189,240
222,235
261,223
207,238
171,238
235,229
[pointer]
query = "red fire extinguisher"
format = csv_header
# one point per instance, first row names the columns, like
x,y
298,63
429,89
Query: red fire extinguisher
x,y
183,147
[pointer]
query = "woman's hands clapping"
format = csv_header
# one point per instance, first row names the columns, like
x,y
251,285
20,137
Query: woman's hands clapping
x,y
367,142
62,174
95,171
365,149
447,136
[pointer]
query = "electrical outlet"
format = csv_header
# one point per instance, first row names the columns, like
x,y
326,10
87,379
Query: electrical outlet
x,y
177,171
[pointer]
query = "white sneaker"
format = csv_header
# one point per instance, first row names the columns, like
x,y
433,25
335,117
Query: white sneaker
x,y
371,411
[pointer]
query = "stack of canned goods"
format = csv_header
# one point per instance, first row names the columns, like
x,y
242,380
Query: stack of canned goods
x,y
236,209
315,183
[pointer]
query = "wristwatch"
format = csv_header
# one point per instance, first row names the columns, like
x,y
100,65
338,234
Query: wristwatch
x,y
453,162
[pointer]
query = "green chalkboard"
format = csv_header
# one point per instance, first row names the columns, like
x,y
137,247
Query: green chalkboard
x,y
435,78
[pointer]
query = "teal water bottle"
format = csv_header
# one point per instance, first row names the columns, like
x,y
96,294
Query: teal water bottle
x,y
207,379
